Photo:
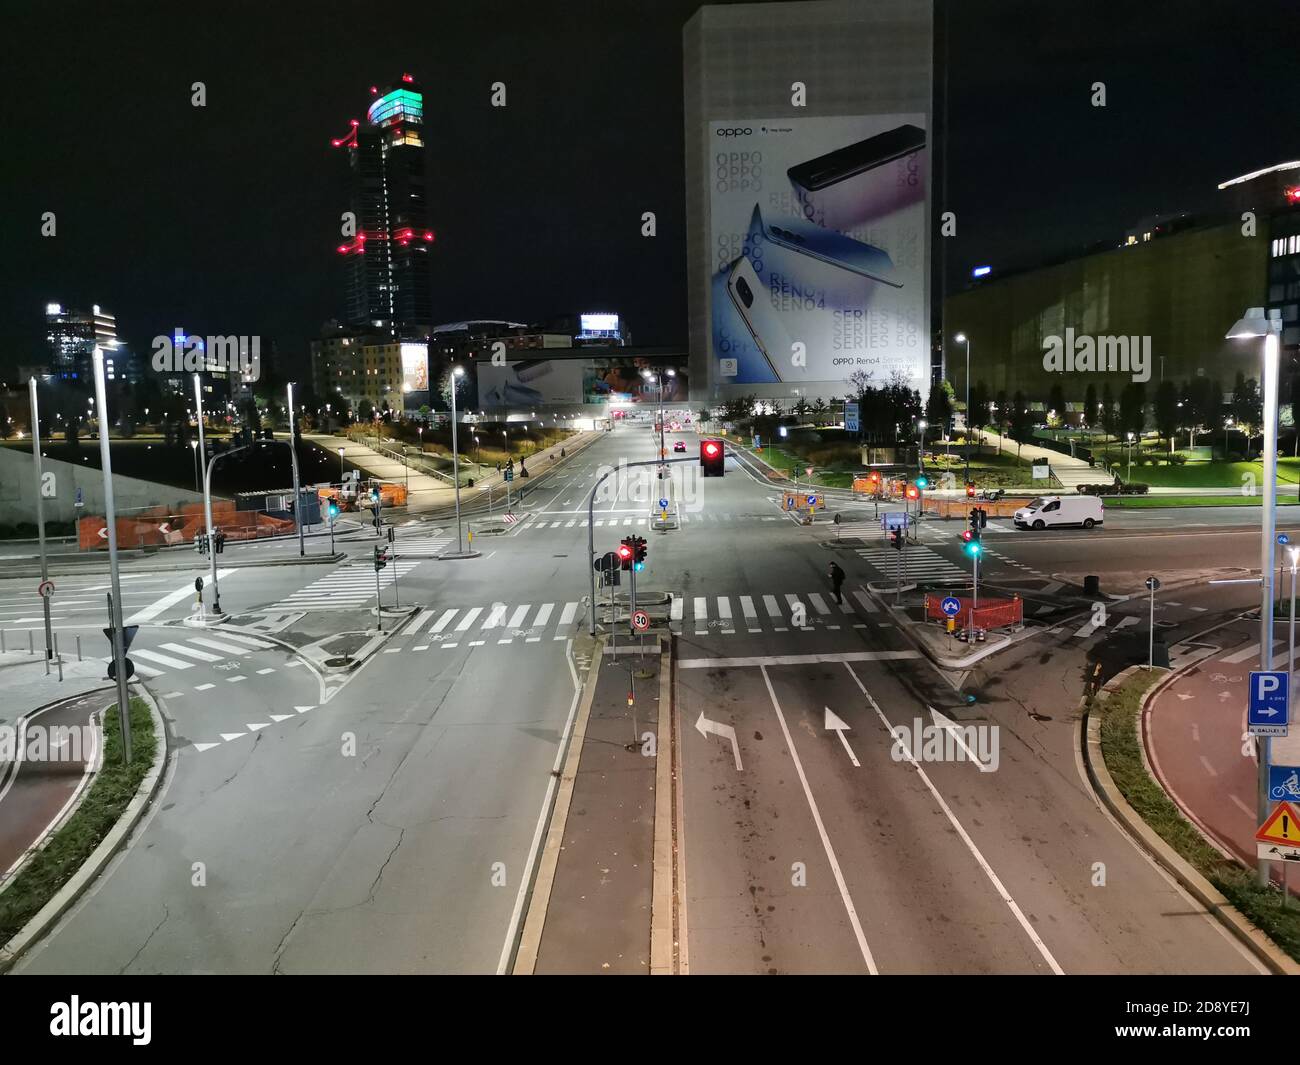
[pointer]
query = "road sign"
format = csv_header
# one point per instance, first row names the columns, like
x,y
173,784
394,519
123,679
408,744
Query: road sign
x,y
850,417
640,621
812,501
951,606
894,519
45,589
1284,782
112,669
79,502
128,634
1269,711
1283,539
1153,584
1279,836
606,562
663,504
198,585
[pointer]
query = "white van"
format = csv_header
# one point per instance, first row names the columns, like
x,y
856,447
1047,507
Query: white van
x,y
1060,510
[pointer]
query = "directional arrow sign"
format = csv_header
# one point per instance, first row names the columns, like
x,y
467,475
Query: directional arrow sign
x,y
164,528
954,730
834,724
103,533
705,726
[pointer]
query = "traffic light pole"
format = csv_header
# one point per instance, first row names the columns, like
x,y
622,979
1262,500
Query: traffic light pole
x,y
40,518
591,527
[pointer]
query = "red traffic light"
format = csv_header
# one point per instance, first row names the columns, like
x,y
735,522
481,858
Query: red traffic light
x,y
712,457
624,552
874,475
967,535
970,489
912,491
711,449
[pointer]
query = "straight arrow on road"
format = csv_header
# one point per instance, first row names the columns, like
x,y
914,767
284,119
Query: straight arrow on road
x,y
705,726
954,730
840,727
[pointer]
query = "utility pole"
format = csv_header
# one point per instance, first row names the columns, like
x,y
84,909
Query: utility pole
x,y
297,493
207,496
110,517
40,517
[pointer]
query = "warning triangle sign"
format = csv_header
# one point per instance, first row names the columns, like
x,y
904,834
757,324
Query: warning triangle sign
x,y
1282,826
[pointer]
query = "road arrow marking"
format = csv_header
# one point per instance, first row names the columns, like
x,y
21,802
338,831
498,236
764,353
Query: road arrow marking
x,y
954,730
1184,696
840,727
206,746
304,709
228,736
281,717
705,726
259,725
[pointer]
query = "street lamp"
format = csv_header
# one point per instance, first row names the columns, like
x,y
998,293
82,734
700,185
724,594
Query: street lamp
x,y
1256,324
460,551
341,465
1129,473
962,338
920,455
194,449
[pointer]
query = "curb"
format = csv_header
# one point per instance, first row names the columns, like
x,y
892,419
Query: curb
x,y
530,939
1144,836
921,645
664,897
99,858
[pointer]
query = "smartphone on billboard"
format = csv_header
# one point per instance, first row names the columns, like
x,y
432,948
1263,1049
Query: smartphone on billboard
x,y
762,320
854,159
828,246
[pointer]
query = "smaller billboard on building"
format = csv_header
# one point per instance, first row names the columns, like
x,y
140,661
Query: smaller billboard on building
x,y
415,367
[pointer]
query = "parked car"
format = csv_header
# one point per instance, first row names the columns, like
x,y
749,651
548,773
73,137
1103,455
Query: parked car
x,y
1086,511
679,445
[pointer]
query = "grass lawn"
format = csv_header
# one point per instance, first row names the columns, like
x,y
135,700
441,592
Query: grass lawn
x,y
114,786
1122,751
1142,502
1209,474
794,465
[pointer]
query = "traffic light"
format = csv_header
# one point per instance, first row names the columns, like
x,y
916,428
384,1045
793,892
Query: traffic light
x,y
970,489
638,553
712,457
381,558
201,542
874,477
332,511
971,537
979,517
626,554
922,483
913,492
896,537
973,547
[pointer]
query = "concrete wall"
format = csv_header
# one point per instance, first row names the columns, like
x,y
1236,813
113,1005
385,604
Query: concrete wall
x,y
18,490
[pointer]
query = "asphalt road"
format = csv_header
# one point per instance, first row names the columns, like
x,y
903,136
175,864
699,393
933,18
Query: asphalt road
x,y
389,823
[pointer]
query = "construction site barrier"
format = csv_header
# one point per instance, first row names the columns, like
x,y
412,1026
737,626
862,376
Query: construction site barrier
x,y
159,527
961,508
990,614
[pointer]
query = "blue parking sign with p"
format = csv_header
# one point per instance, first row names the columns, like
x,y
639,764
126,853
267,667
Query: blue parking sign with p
x,y
1268,712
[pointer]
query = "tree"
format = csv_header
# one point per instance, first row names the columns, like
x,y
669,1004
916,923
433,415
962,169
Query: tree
x,y
1089,418
1110,419
978,415
1294,387
1247,406
6,423
819,410
1021,421
1056,402
859,382
1166,410
1132,408
938,407
366,411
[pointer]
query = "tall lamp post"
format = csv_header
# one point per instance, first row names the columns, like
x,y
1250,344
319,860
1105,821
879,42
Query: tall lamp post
x,y
963,339
1255,324
920,454
460,551
207,497
297,492
40,516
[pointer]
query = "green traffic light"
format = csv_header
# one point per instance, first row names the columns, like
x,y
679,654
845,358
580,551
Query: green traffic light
x,y
923,482
973,549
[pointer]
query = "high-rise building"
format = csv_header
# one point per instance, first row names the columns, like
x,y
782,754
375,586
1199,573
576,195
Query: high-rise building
x,y
72,336
387,279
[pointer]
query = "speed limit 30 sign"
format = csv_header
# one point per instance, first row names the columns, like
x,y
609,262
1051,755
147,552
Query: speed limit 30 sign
x,y
45,589
640,621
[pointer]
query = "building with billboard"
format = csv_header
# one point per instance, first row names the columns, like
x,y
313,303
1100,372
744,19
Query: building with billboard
x,y
71,337
807,197
1164,293
386,261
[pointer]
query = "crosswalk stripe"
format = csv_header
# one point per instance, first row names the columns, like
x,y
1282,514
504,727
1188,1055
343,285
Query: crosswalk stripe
x,y
543,615
238,637
162,660
865,600
566,615
818,603
468,619
420,619
217,645
747,607
145,669
181,649
517,618
701,608
495,617
770,605
441,623
675,611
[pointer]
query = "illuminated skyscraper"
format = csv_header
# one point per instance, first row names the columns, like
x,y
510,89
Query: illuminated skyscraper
x,y
387,282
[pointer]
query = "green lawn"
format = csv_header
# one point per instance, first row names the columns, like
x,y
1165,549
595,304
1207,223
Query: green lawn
x,y
794,465
1192,501
1208,474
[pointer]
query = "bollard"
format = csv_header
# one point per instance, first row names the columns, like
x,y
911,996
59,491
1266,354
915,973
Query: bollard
x,y
58,657
78,648
2,641
31,647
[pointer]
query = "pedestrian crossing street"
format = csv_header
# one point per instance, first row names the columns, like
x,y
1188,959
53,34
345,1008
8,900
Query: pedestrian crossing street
x,y
220,650
498,623
921,564
348,586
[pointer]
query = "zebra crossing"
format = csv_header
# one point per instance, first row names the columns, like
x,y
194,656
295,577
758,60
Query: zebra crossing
x,y
919,563
715,615
177,655
497,623
430,546
533,522
348,586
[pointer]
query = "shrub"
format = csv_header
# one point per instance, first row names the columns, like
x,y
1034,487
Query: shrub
x,y
1177,459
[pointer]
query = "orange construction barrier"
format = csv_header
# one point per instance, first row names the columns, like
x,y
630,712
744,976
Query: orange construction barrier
x,y
990,614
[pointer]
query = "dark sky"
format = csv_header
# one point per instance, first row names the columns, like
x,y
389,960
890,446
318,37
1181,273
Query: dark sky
x,y
223,219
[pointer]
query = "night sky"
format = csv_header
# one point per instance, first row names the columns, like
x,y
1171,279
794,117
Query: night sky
x,y
224,219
